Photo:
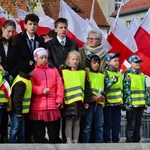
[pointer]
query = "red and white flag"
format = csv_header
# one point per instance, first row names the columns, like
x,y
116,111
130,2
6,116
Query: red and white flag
x,y
121,40
6,89
78,28
142,38
126,65
5,16
45,23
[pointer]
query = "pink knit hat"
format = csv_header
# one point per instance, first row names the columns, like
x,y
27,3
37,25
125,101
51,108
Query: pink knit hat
x,y
38,52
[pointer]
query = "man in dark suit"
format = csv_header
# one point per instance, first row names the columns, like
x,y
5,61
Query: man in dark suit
x,y
26,43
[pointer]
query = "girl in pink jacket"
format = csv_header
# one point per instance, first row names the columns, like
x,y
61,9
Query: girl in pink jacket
x,y
47,97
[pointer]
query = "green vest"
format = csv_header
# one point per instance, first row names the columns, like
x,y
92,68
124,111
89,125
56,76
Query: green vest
x,y
96,83
137,89
74,84
3,98
114,95
27,95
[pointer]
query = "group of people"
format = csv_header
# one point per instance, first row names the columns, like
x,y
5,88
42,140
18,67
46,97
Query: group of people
x,y
57,86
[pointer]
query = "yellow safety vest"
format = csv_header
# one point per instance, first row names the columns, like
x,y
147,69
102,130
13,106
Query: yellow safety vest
x,y
27,95
114,95
74,85
137,89
3,98
96,83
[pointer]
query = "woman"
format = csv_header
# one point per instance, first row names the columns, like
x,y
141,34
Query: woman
x,y
93,46
9,63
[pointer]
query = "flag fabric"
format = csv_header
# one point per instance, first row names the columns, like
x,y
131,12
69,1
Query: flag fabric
x,y
121,40
5,16
134,25
78,28
142,38
6,89
45,23
126,65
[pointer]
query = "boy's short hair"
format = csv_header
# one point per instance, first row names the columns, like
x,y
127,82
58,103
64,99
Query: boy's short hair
x,y
60,20
32,17
89,57
111,56
134,58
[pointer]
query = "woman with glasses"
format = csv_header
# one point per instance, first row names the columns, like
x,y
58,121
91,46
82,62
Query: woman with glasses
x,y
93,46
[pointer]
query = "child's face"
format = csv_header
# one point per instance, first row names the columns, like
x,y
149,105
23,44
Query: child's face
x,y
135,65
31,27
73,62
114,63
94,65
42,60
61,30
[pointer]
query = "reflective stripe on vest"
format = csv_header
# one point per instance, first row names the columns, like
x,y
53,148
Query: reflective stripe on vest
x,y
74,82
114,94
137,89
96,83
27,95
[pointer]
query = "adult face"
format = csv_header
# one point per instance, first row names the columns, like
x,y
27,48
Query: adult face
x,y
8,32
31,27
93,41
61,30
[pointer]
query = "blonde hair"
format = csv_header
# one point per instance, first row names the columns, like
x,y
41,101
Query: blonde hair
x,y
70,54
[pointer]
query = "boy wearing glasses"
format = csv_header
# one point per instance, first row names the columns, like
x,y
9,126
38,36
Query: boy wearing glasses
x,y
135,98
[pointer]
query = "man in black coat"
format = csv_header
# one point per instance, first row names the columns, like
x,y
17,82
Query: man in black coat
x,y
60,45
26,43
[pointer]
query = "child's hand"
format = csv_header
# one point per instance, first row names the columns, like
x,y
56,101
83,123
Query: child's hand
x,y
86,106
46,90
102,98
58,104
2,69
94,98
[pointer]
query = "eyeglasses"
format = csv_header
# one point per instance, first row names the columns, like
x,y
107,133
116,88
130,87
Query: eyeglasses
x,y
91,39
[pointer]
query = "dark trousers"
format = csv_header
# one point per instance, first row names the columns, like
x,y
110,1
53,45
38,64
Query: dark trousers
x,y
112,119
134,122
52,128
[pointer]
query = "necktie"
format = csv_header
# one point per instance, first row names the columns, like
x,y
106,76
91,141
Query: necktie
x,y
62,43
32,44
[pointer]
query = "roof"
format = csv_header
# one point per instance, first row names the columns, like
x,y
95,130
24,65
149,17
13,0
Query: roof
x,y
133,6
10,7
83,9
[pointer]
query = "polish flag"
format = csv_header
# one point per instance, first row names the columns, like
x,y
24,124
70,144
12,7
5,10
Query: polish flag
x,y
6,89
126,65
142,38
121,40
134,25
78,28
5,16
45,23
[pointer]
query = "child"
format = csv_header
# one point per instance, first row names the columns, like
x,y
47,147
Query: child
x,y
47,97
77,96
21,96
135,98
95,110
112,109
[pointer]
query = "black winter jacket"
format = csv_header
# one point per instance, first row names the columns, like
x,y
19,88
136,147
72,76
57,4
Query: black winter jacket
x,y
57,52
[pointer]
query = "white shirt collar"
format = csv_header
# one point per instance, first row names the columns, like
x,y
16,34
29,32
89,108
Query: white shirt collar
x,y
30,36
59,40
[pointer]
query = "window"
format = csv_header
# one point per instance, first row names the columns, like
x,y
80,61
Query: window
x,y
117,4
128,23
